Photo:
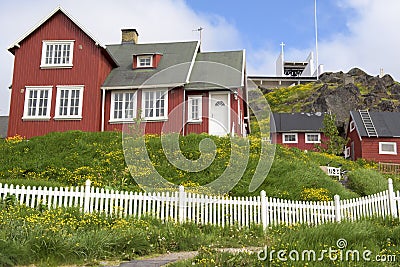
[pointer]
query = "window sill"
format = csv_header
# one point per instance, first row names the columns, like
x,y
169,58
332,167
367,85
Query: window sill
x,y
195,122
67,118
290,142
36,118
154,119
316,142
388,153
56,66
121,121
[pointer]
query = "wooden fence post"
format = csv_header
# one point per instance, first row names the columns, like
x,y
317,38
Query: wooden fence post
x,y
86,196
392,200
264,209
338,216
182,204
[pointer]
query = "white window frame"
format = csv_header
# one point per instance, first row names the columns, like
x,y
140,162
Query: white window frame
x,y
312,142
28,90
125,101
199,98
385,152
347,152
139,63
68,64
290,142
352,126
164,93
57,115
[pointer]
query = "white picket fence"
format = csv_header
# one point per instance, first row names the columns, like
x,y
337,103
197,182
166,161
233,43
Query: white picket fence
x,y
217,210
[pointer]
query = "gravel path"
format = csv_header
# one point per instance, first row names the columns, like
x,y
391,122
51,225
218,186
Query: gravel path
x,y
161,260
178,256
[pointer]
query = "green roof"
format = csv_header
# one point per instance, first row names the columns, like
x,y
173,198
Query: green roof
x,y
173,69
217,70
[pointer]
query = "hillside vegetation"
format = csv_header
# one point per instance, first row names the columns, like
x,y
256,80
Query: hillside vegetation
x,y
70,158
338,93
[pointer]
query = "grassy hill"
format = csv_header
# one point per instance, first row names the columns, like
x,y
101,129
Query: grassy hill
x,y
70,158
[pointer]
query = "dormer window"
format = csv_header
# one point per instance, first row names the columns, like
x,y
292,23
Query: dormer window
x,y
57,54
145,61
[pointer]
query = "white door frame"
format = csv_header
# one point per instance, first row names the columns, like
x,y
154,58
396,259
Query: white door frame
x,y
210,94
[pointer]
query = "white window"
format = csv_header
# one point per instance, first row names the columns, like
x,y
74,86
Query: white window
x,y
195,109
69,102
388,148
123,106
289,138
37,103
312,138
352,126
155,104
145,61
347,152
57,54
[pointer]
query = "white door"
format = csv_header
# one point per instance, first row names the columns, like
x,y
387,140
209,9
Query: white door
x,y
219,114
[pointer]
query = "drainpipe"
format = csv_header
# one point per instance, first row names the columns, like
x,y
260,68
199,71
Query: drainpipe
x,y
103,101
183,112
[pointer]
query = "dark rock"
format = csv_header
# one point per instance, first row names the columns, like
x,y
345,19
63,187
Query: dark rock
x,y
387,80
370,100
395,89
330,77
357,72
387,105
339,101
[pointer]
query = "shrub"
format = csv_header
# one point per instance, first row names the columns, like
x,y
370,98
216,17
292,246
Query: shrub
x,y
367,182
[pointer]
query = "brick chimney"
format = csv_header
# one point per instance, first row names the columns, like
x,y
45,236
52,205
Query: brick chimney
x,y
129,36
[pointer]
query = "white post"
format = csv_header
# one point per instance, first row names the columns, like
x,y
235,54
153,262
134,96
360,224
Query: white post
x,y
264,216
392,200
86,197
338,216
182,204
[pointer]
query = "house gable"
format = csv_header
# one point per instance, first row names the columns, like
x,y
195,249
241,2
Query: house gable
x,y
88,67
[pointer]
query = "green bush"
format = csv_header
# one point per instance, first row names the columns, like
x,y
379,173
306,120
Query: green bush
x,y
367,182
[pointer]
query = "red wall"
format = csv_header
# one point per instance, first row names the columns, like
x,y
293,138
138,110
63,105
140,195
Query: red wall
x,y
301,141
175,123
370,150
353,136
90,68
198,127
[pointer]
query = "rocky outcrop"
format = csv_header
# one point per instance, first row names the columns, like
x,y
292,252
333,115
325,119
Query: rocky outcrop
x,y
341,92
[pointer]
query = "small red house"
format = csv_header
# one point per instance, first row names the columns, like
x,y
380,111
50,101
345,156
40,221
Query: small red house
x,y
64,79
374,136
301,130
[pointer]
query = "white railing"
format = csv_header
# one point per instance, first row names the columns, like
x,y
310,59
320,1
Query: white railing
x,y
332,171
217,210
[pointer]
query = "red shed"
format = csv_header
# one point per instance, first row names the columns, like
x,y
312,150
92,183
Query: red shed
x,y
301,130
374,136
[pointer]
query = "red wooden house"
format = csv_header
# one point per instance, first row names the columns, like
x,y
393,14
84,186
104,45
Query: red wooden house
x,y
301,130
64,79
374,136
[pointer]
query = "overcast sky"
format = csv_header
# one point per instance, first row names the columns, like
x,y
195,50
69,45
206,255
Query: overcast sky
x,y
352,33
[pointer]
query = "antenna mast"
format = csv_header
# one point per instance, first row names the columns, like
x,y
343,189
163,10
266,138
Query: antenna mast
x,y
200,29
316,37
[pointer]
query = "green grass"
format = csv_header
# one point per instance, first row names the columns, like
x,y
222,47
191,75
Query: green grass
x,y
70,158
66,236
286,99
380,236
